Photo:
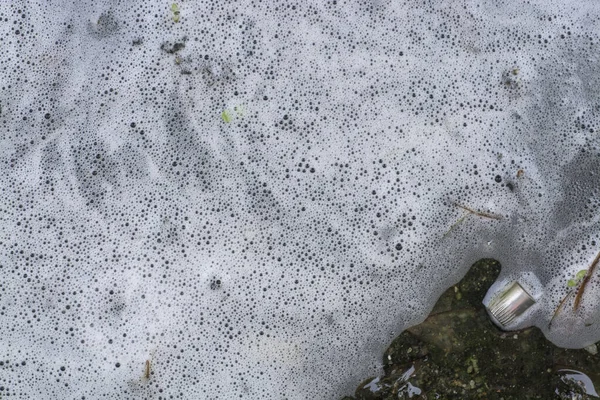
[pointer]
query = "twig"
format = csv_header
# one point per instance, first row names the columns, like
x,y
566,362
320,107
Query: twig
x,y
560,306
586,280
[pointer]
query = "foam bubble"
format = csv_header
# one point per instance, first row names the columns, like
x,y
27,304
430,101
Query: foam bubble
x,y
255,197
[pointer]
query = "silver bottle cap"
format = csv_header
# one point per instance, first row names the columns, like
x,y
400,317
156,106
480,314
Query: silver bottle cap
x,y
509,304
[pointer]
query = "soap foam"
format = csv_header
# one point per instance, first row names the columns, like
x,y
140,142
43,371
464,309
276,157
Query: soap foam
x,y
257,197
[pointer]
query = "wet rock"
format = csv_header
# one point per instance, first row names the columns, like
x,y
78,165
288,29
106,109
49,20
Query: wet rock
x,y
458,353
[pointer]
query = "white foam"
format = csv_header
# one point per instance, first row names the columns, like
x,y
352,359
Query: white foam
x,y
273,256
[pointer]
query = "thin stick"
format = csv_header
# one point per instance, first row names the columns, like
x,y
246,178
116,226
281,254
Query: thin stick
x,y
560,306
479,214
586,280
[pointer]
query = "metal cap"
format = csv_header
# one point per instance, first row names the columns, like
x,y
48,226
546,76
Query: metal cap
x,y
509,304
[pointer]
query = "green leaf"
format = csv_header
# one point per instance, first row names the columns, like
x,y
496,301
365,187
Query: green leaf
x,y
174,7
225,116
571,283
581,274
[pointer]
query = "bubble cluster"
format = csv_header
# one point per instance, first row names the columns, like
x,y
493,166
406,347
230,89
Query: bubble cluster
x,y
249,199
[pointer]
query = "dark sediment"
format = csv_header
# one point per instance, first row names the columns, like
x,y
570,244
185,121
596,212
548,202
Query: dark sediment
x,y
458,353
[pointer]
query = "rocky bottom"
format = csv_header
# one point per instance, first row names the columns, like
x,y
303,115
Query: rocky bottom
x,y
458,353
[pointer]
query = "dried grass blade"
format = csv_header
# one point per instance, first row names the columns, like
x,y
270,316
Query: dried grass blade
x,y
560,307
478,213
585,281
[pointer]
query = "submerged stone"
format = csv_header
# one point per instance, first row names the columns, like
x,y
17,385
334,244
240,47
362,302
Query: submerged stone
x,y
458,353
